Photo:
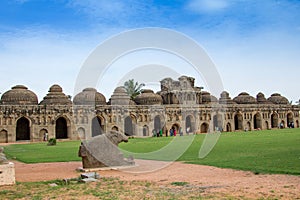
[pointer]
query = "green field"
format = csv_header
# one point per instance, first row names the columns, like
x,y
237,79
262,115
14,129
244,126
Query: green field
x,y
270,151
40,152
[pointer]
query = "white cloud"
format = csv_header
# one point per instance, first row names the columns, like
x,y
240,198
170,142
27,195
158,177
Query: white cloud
x,y
207,5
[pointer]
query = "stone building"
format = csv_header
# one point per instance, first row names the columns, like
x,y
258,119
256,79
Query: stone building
x,y
179,105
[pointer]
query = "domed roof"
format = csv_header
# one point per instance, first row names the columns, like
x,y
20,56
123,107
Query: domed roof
x,y
278,99
89,96
148,97
244,98
55,96
207,97
225,98
261,99
120,97
55,88
19,95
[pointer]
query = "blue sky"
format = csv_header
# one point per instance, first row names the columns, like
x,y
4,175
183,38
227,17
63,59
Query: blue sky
x,y
255,45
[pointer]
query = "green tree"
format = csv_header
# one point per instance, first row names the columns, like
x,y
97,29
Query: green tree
x,y
133,88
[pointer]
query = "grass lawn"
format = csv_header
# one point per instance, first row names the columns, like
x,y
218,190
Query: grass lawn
x,y
40,152
275,151
269,151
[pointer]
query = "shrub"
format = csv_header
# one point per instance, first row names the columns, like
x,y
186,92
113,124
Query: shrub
x,y
51,142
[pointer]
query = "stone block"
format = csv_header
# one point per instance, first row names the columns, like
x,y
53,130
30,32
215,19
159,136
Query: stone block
x,y
7,174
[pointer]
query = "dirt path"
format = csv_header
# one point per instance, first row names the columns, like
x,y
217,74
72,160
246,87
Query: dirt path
x,y
213,180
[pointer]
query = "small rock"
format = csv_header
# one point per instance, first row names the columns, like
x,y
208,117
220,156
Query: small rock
x,y
90,175
80,169
66,180
53,185
88,180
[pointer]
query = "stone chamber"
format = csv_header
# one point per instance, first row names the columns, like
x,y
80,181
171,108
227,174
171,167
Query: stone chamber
x,y
179,105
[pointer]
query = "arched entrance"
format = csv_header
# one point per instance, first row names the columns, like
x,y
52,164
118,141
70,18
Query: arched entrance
x,y
257,121
217,122
43,135
204,127
115,128
290,120
282,124
175,127
128,126
145,130
274,120
238,122
267,125
97,126
3,136
81,133
190,124
157,123
23,129
61,128
228,127
248,126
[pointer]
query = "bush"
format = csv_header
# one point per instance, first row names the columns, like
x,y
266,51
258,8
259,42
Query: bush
x,y
51,142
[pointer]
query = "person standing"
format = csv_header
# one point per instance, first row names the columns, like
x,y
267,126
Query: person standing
x,y
171,132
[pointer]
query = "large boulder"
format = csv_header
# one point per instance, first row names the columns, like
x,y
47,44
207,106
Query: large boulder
x,y
103,151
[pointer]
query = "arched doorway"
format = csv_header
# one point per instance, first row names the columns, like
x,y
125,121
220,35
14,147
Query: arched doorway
x,y
81,133
190,124
204,127
43,135
248,126
238,122
217,122
282,124
267,125
157,123
3,136
97,126
128,126
290,120
61,128
23,129
228,127
115,128
257,121
176,127
145,130
274,120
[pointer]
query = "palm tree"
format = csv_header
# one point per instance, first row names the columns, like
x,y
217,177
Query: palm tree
x,y
133,88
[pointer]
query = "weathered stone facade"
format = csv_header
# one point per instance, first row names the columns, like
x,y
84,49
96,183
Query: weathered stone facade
x,y
179,104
